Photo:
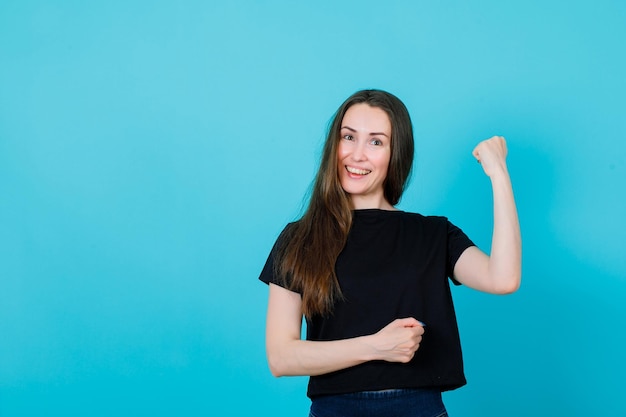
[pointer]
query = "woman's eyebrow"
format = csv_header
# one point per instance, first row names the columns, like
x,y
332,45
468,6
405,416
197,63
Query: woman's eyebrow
x,y
371,133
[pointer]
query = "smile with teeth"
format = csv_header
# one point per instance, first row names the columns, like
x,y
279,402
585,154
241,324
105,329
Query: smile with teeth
x,y
357,171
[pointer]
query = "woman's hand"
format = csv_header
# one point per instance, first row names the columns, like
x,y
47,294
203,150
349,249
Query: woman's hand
x,y
398,341
491,154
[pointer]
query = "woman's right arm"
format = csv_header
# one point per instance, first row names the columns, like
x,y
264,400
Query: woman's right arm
x,y
288,354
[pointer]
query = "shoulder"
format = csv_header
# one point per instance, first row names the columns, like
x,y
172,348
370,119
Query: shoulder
x,y
287,231
283,238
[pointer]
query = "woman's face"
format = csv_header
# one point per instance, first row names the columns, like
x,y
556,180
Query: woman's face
x,y
363,155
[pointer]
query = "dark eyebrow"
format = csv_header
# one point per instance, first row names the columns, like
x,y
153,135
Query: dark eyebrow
x,y
371,134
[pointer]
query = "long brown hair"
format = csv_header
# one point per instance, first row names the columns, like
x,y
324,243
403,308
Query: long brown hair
x,y
308,249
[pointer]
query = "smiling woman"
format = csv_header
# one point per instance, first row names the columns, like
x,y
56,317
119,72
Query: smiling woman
x,y
367,276
363,155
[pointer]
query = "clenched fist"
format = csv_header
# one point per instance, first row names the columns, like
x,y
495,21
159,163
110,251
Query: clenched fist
x,y
491,154
399,340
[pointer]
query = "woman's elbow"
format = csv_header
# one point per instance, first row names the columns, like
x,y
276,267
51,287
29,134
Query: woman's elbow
x,y
276,364
508,285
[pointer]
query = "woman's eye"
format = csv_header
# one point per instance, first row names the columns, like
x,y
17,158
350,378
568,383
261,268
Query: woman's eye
x,y
348,137
377,142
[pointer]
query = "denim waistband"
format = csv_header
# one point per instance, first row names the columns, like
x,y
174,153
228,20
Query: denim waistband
x,y
404,402
394,393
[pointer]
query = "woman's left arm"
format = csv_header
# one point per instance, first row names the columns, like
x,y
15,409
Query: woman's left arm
x,y
500,272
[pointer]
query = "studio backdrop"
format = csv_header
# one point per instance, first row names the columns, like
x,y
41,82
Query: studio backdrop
x,y
151,152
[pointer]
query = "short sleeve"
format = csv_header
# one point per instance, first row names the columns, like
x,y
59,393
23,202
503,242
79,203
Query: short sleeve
x,y
457,243
268,274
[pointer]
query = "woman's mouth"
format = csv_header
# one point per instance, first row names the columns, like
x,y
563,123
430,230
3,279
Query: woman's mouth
x,y
357,171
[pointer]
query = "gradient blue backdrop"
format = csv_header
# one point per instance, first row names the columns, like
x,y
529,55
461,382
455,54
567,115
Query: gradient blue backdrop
x,y
151,151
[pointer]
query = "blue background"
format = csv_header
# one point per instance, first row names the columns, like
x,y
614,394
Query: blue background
x,y
151,151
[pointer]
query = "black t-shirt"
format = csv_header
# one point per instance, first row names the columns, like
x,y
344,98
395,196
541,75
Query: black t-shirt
x,y
394,265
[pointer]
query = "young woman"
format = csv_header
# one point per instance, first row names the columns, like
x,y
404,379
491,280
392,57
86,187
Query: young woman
x,y
371,280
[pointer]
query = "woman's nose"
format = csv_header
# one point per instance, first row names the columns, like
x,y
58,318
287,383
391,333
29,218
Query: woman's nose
x,y
358,153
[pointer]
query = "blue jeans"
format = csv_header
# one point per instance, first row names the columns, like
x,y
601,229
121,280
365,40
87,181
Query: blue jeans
x,y
388,403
